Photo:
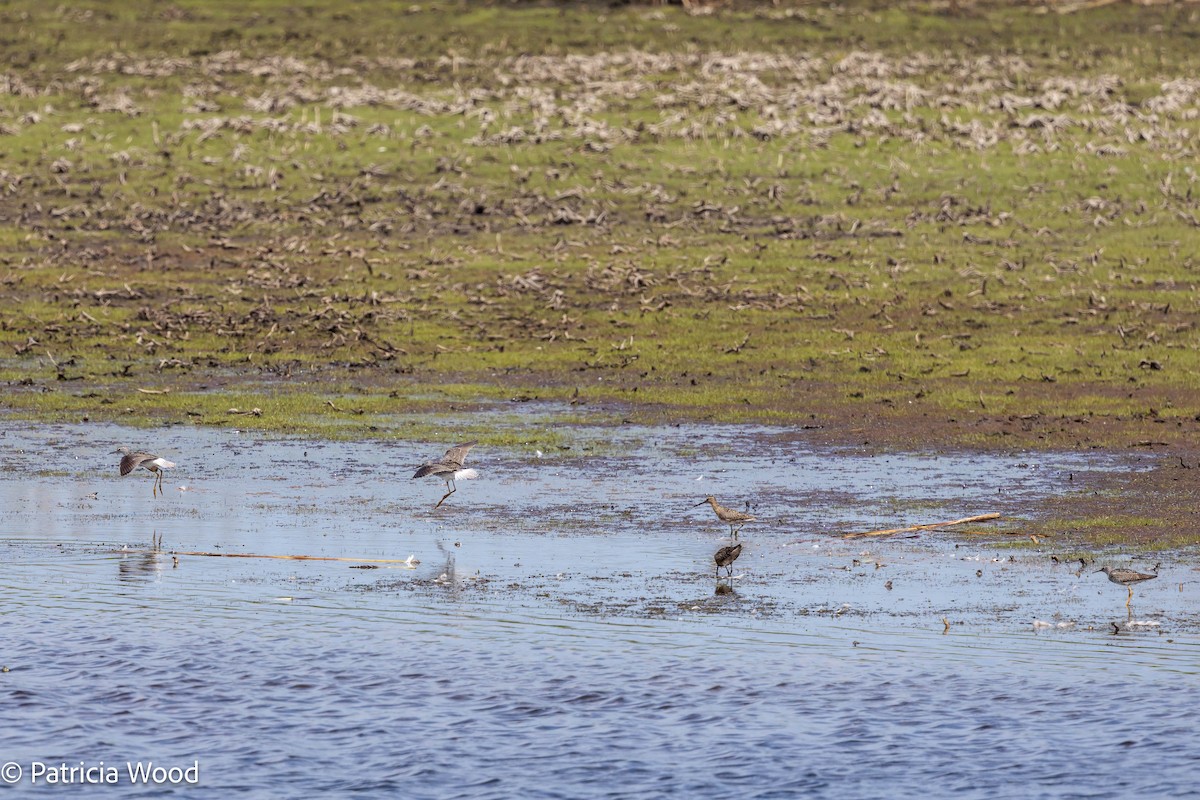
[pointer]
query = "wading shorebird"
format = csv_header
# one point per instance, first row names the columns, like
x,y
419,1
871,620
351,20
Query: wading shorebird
x,y
450,469
1126,578
156,464
725,558
735,519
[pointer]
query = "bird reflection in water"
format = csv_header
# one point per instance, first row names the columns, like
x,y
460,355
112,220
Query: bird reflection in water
x,y
449,575
138,566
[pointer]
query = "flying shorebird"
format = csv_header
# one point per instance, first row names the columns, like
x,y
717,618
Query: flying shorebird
x,y
736,519
450,469
1126,578
725,558
156,464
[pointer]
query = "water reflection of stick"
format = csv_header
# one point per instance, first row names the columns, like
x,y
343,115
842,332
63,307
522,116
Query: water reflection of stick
x,y
410,560
931,526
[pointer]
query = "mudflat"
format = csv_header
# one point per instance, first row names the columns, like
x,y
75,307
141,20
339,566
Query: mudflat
x,y
900,226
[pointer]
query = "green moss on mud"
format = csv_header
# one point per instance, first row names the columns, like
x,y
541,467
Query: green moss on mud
x,y
768,213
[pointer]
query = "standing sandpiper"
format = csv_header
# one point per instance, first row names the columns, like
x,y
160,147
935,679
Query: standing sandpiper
x,y
450,468
1126,578
735,519
725,558
156,464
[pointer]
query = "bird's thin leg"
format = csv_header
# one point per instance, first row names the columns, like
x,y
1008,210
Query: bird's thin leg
x,y
453,488
1130,600
733,533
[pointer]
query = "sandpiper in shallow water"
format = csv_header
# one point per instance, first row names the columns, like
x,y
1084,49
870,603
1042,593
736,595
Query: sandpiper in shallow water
x,y
735,519
156,464
449,468
1126,578
725,558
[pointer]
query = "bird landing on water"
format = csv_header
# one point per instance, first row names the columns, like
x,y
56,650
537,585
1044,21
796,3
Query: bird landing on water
x,y
156,464
450,469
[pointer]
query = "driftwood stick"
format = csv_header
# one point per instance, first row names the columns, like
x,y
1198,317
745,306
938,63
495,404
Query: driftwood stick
x,y
290,558
931,526
1088,5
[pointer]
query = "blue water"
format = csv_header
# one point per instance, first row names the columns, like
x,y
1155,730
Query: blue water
x,y
572,652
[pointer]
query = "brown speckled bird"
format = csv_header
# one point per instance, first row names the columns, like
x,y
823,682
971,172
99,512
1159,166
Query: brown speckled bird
x,y
735,519
725,558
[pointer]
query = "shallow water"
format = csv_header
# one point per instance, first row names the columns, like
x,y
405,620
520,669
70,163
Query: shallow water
x,y
561,636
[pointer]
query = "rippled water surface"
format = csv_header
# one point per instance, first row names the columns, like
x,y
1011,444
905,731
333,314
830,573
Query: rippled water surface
x,y
561,635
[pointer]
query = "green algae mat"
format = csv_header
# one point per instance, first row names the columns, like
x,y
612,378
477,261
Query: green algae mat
x,y
952,224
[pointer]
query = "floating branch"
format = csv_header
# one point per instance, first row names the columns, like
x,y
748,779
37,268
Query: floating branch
x,y
410,561
931,526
